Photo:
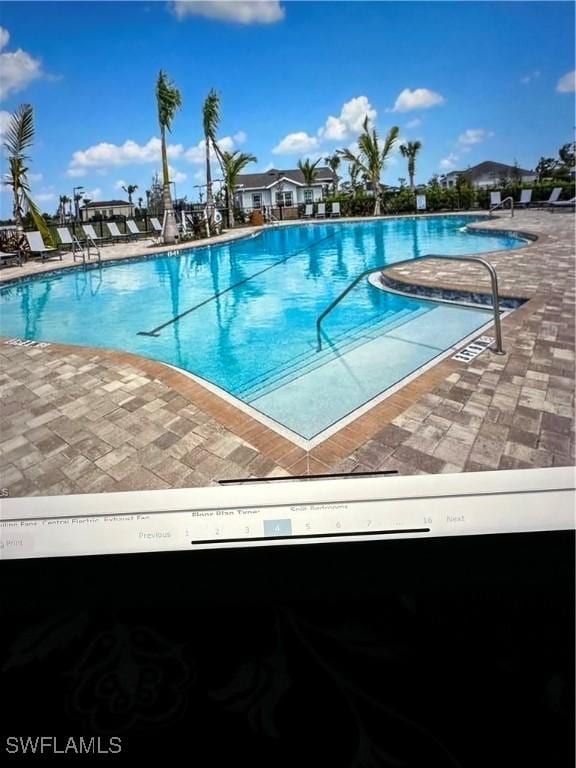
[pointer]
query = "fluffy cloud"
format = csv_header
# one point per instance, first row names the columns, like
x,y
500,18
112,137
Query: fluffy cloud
x,y
421,98
296,143
350,120
197,153
130,153
92,194
532,76
176,176
450,162
474,136
567,83
4,121
235,11
18,68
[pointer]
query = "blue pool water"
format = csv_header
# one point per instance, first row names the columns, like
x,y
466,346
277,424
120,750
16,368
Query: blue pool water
x,y
256,300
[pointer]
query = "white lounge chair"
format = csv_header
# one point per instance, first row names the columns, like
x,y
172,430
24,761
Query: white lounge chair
x,y
335,209
115,232
37,245
309,211
559,205
9,257
133,228
554,197
66,238
90,233
525,198
321,211
495,199
156,229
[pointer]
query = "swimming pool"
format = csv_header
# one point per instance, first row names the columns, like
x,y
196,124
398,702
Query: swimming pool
x,y
242,316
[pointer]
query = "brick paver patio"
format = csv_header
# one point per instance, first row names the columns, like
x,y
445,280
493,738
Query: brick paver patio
x,y
80,420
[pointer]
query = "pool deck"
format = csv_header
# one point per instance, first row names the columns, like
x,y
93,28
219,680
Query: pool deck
x,y
81,420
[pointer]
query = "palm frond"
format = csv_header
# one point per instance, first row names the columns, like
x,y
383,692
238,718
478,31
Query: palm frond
x,y
169,100
211,115
20,132
39,221
389,142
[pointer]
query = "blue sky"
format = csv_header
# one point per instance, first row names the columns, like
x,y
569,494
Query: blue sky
x,y
473,81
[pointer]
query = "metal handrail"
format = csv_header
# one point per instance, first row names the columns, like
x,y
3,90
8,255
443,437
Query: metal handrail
x,y
501,205
89,241
473,259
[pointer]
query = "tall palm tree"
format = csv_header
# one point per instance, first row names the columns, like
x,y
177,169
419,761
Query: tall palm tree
x,y
130,189
169,101
308,170
333,162
210,122
410,150
18,139
64,201
232,165
372,156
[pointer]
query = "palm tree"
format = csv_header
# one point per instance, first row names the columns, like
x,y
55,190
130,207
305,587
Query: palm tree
x,y
372,157
210,122
64,200
309,171
130,189
17,139
410,150
232,164
333,162
169,101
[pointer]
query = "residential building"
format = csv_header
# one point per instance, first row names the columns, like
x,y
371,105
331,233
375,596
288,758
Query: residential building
x,y
489,174
105,209
286,188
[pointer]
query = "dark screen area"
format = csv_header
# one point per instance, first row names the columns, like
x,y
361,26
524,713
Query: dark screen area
x,y
415,653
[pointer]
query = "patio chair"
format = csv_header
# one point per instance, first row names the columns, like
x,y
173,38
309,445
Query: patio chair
x,y
66,238
309,211
133,228
321,211
9,257
525,198
335,209
559,205
156,229
554,195
495,199
37,245
115,232
90,233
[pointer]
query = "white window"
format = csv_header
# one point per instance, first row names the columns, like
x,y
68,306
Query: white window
x,y
308,196
284,198
256,201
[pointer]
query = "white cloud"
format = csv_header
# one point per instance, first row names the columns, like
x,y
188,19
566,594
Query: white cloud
x,y
532,76
4,121
450,162
76,173
130,153
567,83
414,123
44,197
18,68
33,178
235,11
197,153
296,143
176,176
421,98
119,184
350,121
474,136
92,194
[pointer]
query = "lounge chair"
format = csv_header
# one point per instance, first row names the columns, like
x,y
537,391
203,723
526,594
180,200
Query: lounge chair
x,y
66,238
133,228
525,198
90,233
156,229
9,257
321,211
559,205
495,199
554,195
309,211
115,232
335,209
37,245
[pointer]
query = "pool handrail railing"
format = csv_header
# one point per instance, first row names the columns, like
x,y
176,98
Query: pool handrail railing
x,y
474,259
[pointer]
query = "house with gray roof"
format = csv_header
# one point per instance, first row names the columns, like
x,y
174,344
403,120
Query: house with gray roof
x,y
285,188
105,209
489,174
